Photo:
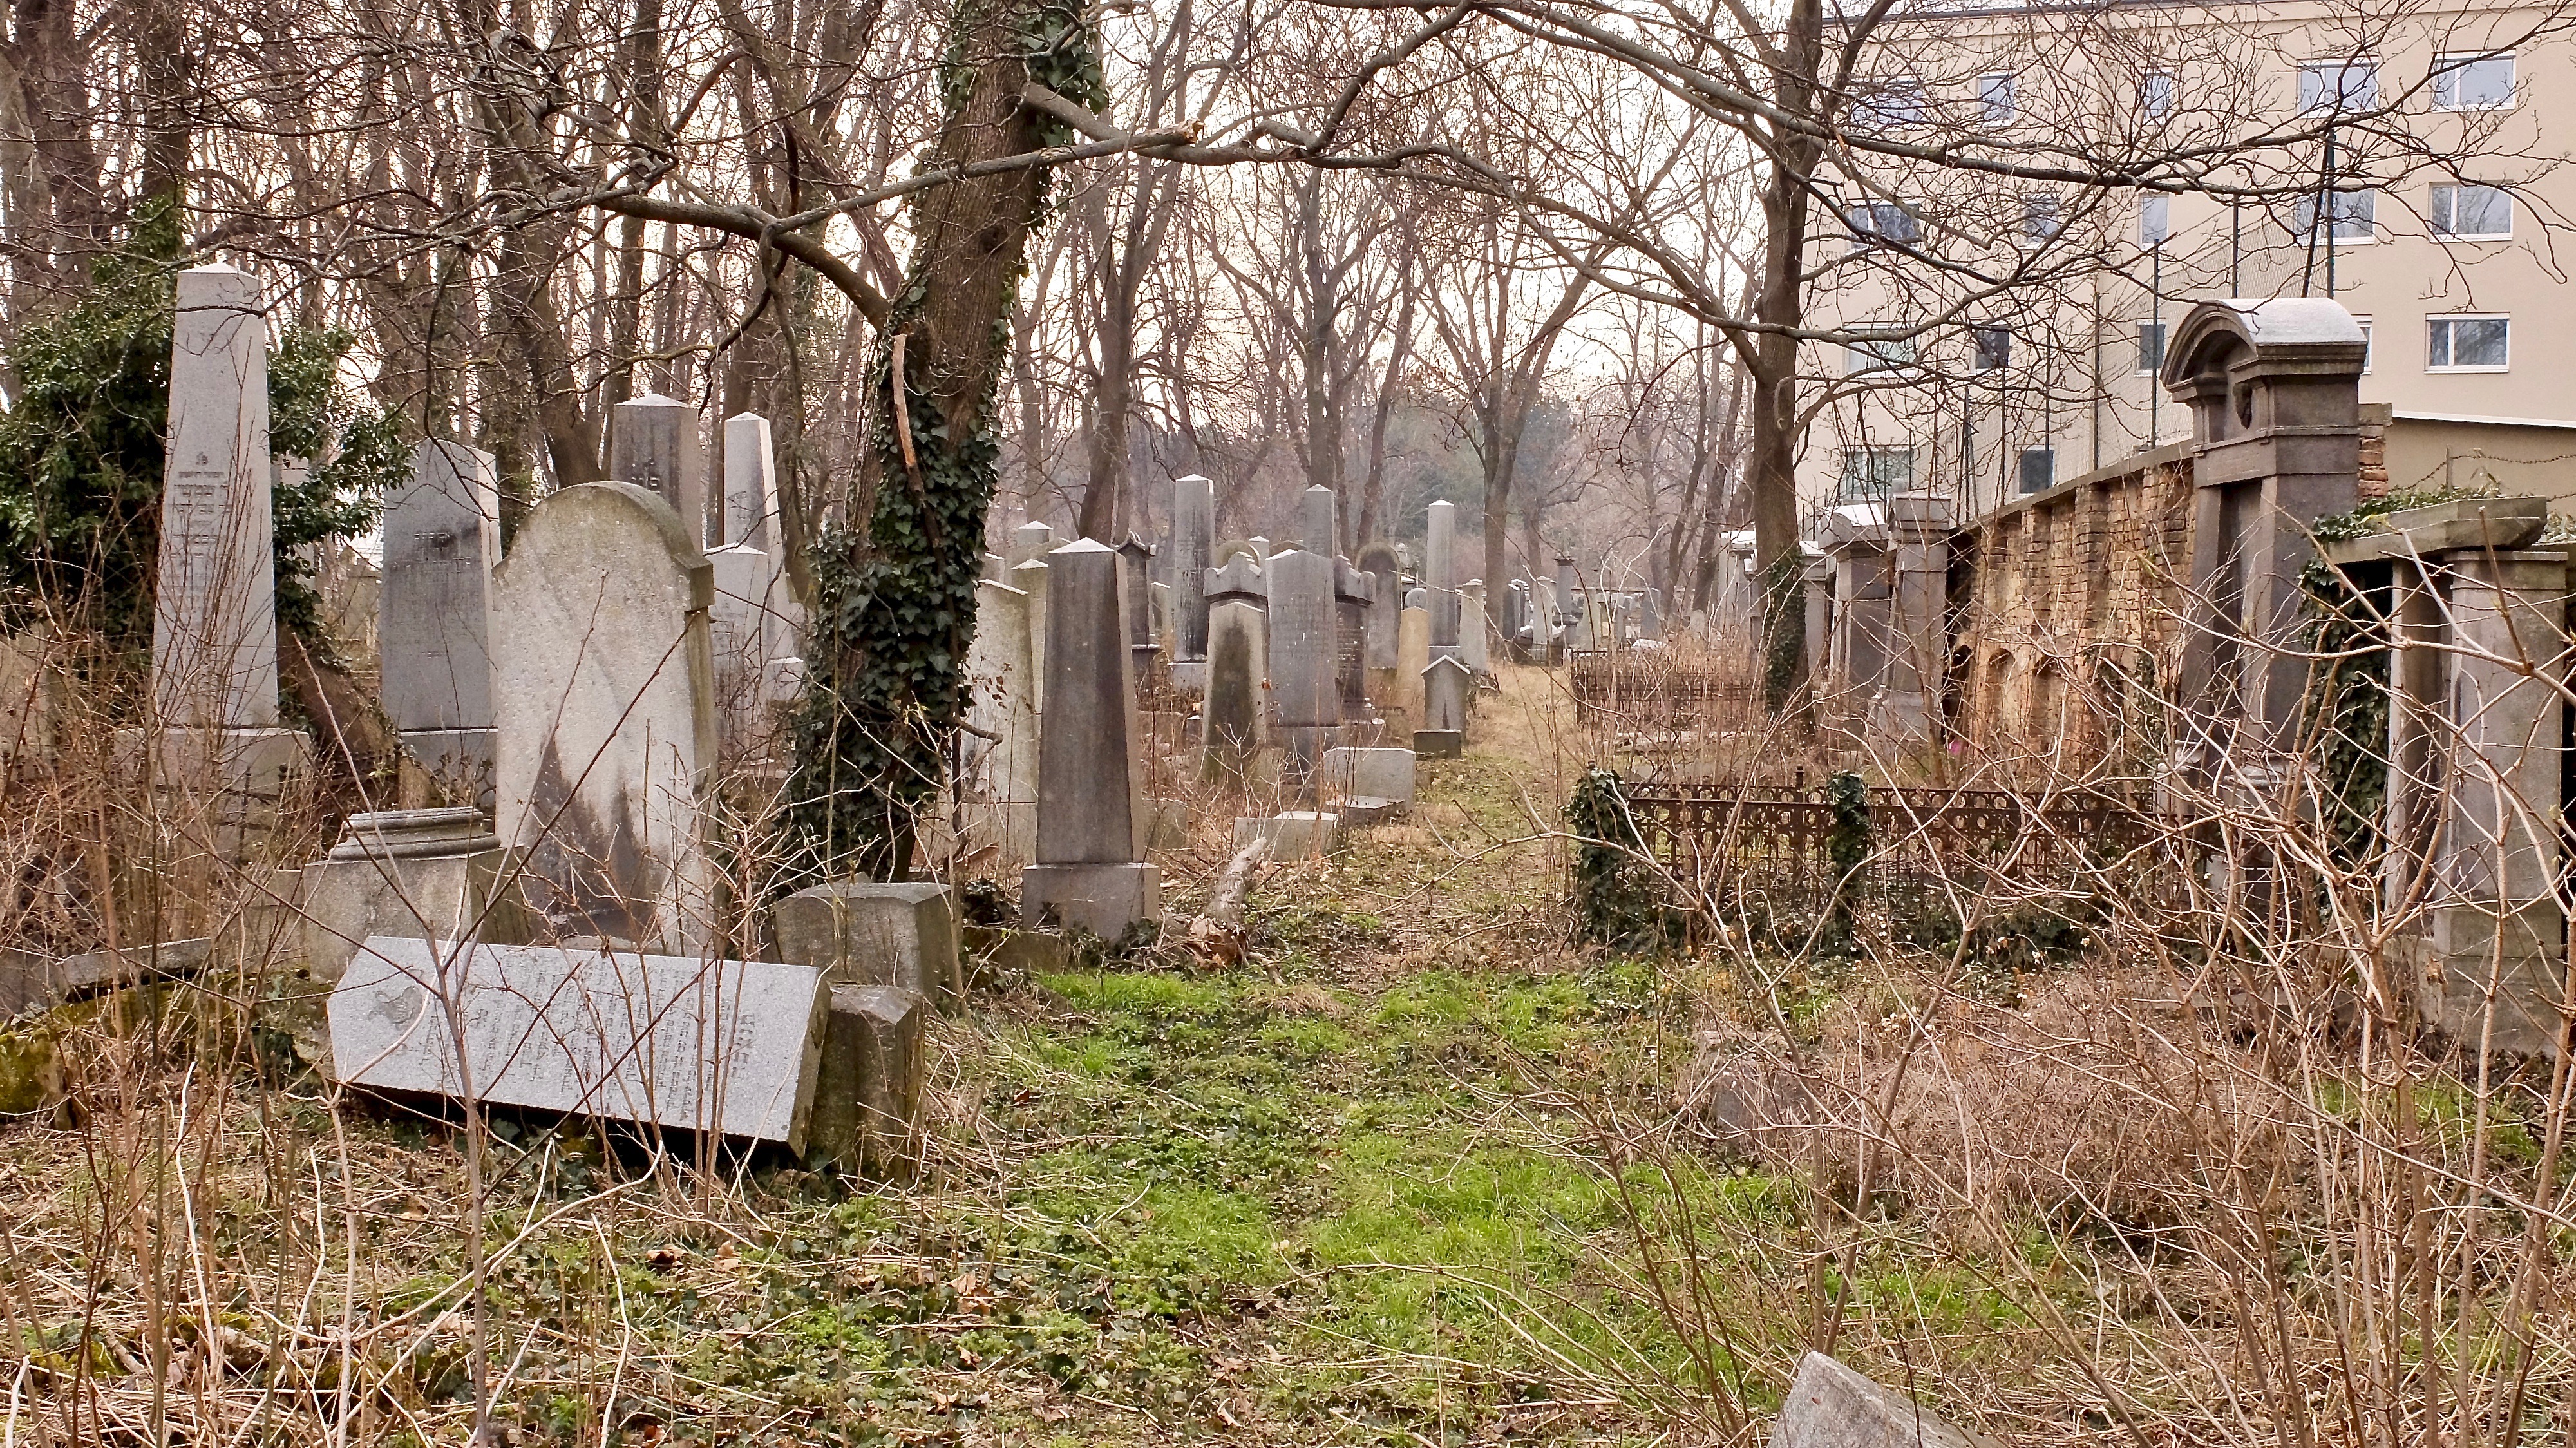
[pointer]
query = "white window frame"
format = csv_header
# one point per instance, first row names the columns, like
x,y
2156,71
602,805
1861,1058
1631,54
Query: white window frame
x,y
2331,100
2159,205
1878,361
2433,212
1873,108
2033,204
2369,219
2369,346
2449,367
1986,92
2148,105
2459,60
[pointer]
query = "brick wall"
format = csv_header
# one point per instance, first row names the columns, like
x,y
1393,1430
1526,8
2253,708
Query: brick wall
x,y
2072,618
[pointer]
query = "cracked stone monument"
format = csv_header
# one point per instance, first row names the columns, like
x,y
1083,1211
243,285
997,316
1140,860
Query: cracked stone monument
x,y
870,932
1090,871
214,616
606,683
442,531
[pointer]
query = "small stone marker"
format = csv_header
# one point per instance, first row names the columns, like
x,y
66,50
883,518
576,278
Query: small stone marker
x,y
605,679
1474,635
1092,826
1412,657
653,443
1446,689
214,614
1830,1406
1315,509
868,932
729,1046
867,1088
750,482
1135,560
1304,691
442,535
1385,774
430,874
1293,834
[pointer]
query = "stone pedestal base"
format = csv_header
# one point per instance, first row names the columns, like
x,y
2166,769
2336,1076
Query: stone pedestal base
x,y
1439,743
458,762
2461,965
867,933
1293,834
1359,811
1103,899
1375,773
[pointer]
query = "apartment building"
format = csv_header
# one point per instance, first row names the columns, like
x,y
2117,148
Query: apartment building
x,y
1996,335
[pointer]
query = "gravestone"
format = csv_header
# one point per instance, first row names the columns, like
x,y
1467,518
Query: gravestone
x,y
728,1047
1446,686
1234,720
1386,600
1304,690
1031,540
868,932
1384,774
1352,604
1092,826
1830,1406
653,443
738,633
442,531
750,482
999,774
606,684
1816,581
1030,579
1918,639
1135,559
1569,608
1412,656
1440,577
1474,633
1315,514
1193,544
1260,548
429,874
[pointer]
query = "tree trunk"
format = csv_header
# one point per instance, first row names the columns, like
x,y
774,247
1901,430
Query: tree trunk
x,y
1772,361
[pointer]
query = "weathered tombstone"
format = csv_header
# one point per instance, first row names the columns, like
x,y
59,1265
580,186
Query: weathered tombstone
x,y
1386,600
2273,388
1650,614
1304,691
1363,774
1030,579
1412,656
750,482
1830,1406
430,874
1918,638
33,684
1315,512
1092,828
999,782
1569,608
1816,577
1260,548
867,1082
442,532
214,619
1134,559
1029,541
605,680
1193,541
727,1047
1440,576
1234,721
1862,634
1446,686
1474,634
1297,834
869,932
738,633
653,443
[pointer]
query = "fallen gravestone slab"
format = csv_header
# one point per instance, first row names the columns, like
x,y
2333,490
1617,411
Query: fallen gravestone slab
x,y
726,1046
1830,1406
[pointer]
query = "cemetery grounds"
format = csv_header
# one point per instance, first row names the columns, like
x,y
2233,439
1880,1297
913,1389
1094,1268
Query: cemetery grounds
x,y
1412,1171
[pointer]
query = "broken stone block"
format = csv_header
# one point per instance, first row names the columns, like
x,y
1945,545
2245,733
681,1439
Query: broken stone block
x,y
868,932
1293,834
867,1091
1439,743
429,874
1830,1406
1385,774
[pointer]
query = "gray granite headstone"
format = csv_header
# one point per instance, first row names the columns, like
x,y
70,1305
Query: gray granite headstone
x,y
739,633
1386,601
442,532
1440,576
1234,719
1315,513
727,1046
1092,824
1030,579
999,773
1193,539
1031,541
1474,634
653,443
1446,687
1304,691
750,481
605,678
214,615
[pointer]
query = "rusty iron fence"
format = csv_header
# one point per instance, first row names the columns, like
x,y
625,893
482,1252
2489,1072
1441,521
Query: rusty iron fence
x,y
1652,689
1730,843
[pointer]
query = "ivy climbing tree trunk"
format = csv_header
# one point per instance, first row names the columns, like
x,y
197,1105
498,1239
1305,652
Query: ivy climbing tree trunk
x,y
895,600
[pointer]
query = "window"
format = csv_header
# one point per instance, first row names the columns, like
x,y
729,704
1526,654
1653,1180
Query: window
x,y
2366,349
2341,86
2472,212
2151,346
1878,354
1994,348
2354,215
2156,92
1894,105
1874,474
2039,221
2037,468
1995,98
2466,344
2155,220
1883,221
2472,82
